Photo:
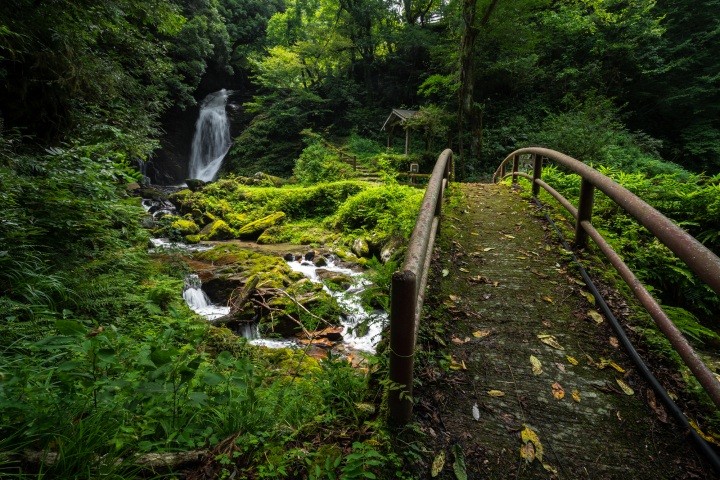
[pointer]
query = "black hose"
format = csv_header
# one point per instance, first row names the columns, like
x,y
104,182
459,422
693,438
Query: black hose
x,y
700,444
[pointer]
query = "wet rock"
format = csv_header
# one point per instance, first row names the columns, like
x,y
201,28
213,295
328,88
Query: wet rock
x,y
390,249
288,257
218,230
360,247
194,184
334,280
320,261
310,255
253,229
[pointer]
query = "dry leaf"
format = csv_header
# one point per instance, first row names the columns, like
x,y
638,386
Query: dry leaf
x,y
657,408
576,396
560,367
438,464
625,387
481,333
705,436
572,360
464,270
445,272
454,298
496,393
548,299
604,362
527,451
529,436
595,316
536,365
550,468
589,296
614,342
476,412
508,236
550,340
558,391
458,341
487,249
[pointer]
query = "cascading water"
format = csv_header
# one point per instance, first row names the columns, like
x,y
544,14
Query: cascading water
x,y
199,302
212,137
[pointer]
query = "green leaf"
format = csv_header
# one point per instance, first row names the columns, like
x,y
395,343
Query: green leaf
x,y
70,327
212,379
459,464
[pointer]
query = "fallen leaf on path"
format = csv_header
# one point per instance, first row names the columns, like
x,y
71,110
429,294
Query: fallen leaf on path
x,y
560,367
589,296
479,279
595,316
508,236
657,408
529,436
625,387
576,396
604,362
541,275
527,451
551,341
464,270
536,365
572,360
705,436
548,299
487,249
496,393
459,463
455,365
459,341
438,464
550,468
445,272
614,342
558,391
476,412
481,333
454,298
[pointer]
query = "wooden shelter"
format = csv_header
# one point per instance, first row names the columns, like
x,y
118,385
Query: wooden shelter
x,y
398,117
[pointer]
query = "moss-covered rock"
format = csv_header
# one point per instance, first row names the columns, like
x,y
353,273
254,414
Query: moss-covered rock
x,y
253,229
360,247
185,226
218,230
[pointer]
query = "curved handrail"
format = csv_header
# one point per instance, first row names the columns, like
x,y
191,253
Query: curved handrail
x,y
408,290
695,255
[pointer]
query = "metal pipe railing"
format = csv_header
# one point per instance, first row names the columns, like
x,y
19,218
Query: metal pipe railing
x,y
703,262
407,293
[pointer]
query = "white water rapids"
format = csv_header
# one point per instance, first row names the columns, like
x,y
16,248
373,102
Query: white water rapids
x,y
361,330
211,141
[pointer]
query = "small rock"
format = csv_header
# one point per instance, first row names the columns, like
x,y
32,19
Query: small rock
x,y
360,247
310,255
194,184
288,257
320,261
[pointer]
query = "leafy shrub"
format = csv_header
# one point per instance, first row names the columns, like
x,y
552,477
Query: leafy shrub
x,y
318,164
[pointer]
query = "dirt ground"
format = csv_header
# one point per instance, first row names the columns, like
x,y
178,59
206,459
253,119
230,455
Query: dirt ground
x,y
519,376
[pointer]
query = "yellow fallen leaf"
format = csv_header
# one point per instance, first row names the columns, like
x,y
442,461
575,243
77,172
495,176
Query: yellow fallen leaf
x,y
548,299
529,436
589,296
536,365
558,391
604,362
708,438
576,396
438,464
496,393
572,360
527,452
625,387
508,236
464,270
454,298
595,316
487,249
550,340
481,333
455,365
549,468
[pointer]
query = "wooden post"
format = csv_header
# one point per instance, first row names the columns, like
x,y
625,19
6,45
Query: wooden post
x,y
537,173
516,164
585,208
403,300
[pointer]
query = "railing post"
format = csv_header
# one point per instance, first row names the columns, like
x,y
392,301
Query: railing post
x,y
516,165
502,170
585,208
403,301
537,173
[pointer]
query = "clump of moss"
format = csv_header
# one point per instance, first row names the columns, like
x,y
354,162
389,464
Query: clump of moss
x,y
218,230
185,226
254,229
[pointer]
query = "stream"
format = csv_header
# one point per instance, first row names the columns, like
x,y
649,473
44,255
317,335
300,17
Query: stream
x,y
361,330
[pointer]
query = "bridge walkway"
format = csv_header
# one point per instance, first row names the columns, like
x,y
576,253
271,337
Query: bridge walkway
x,y
517,373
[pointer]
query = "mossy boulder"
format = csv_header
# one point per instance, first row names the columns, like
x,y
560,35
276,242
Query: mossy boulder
x,y
236,220
194,184
218,230
185,226
253,230
360,247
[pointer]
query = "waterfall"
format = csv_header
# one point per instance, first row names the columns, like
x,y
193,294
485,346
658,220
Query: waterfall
x,y
212,137
199,302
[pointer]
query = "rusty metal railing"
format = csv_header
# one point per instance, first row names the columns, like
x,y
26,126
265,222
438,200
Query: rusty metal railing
x,y
704,263
408,290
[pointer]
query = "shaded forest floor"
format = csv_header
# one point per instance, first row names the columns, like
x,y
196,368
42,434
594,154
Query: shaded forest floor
x,y
520,377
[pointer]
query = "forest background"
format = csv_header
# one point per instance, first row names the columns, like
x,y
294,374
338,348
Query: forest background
x,y
88,88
